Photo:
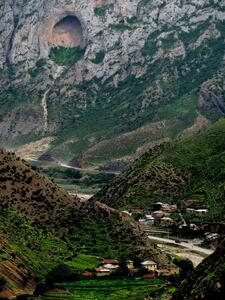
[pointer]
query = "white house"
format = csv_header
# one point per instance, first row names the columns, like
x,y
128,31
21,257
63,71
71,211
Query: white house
x,y
150,265
111,266
158,214
101,271
150,220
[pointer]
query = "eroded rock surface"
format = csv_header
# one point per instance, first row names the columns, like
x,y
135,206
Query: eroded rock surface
x,y
115,60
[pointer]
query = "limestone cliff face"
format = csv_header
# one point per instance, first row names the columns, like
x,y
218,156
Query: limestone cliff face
x,y
156,43
120,28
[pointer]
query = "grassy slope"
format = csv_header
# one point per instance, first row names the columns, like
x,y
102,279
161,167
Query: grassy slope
x,y
28,253
187,168
33,209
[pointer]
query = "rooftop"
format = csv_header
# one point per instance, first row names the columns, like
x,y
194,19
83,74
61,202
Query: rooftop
x,y
110,261
148,262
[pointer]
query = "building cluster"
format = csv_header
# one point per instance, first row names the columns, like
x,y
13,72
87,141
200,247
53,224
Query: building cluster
x,y
152,269
197,212
160,215
148,267
107,267
211,237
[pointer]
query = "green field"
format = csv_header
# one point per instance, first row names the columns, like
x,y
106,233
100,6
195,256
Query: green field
x,y
101,289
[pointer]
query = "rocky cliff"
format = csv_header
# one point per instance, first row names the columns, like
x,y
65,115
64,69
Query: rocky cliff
x,y
98,73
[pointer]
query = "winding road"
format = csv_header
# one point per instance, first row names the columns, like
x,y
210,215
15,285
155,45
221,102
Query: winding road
x,y
189,245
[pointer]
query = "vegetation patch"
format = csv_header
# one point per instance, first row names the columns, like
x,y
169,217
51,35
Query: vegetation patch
x,y
119,27
66,56
38,69
102,10
83,262
99,57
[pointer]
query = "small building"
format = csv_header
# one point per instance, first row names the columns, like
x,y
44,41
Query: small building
x,y
201,212
184,226
165,207
166,221
150,265
197,212
169,208
211,236
194,227
158,214
190,211
111,266
101,271
142,221
150,220
126,212
149,217
130,264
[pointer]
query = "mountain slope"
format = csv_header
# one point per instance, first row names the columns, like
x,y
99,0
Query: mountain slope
x,y
190,168
27,254
207,281
145,71
41,227
44,204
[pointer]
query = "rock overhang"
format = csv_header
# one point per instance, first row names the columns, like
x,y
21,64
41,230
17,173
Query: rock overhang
x,y
63,29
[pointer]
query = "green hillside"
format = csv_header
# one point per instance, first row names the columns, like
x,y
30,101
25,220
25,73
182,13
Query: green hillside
x,y
190,168
43,228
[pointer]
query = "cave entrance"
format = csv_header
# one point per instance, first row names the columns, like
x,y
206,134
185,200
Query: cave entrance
x,y
67,32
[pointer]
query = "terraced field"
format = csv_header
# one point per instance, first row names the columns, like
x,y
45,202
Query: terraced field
x,y
99,289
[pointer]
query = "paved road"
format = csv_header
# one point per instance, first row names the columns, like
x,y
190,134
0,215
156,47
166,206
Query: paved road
x,y
188,245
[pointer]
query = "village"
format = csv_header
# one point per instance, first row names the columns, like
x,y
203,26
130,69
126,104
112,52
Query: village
x,y
185,224
147,269
158,221
163,216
